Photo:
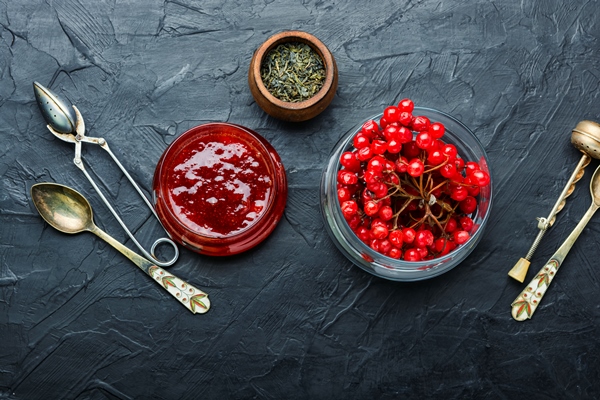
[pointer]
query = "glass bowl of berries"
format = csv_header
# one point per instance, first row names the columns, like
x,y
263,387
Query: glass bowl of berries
x,y
406,195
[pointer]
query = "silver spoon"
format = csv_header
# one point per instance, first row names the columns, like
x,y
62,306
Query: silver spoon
x,y
68,211
527,302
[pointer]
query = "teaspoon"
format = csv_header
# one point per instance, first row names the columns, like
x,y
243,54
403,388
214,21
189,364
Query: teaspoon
x,y
527,302
68,211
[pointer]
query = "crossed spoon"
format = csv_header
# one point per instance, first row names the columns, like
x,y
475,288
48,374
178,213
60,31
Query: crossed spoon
x,y
527,302
68,211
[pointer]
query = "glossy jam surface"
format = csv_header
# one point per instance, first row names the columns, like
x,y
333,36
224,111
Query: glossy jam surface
x,y
219,189
219,185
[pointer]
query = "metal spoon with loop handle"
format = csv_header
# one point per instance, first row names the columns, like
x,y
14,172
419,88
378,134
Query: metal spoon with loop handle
x,y
66,123
68,211
586,138
527,302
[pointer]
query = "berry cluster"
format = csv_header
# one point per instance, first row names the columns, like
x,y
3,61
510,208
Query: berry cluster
x,y
404,191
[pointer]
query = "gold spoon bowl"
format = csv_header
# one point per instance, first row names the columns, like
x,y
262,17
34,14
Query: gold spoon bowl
x,y
68,211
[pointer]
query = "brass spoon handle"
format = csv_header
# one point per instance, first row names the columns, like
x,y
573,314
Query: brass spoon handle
x,y
527,302
569,188
519,271
191,297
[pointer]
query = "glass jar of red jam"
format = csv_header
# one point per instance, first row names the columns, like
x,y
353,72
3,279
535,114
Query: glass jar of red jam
x,y
220,189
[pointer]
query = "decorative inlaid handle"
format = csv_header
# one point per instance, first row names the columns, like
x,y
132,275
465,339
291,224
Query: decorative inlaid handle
x,y
193,298
526,303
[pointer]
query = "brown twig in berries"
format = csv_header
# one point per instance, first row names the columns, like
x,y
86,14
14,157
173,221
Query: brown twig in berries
x,y
435,168
399,212
439,185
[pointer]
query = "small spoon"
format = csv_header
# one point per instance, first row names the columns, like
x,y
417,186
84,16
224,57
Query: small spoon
x,y
68,211
527,302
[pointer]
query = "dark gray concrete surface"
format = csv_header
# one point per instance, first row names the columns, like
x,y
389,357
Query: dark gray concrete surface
x,y
292,318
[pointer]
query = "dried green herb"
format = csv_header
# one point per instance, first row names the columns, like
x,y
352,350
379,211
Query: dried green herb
x,y
293,72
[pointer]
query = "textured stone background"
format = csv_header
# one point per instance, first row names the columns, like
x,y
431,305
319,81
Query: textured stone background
x,y
293,318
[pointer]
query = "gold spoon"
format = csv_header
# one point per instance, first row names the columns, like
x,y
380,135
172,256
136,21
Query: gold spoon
x,y
68,211
527,302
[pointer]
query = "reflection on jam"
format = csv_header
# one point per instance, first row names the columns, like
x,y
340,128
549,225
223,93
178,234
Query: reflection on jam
x,y
219,186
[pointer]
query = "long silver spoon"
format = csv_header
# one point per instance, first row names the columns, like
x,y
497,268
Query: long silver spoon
x,y
527,302
68,211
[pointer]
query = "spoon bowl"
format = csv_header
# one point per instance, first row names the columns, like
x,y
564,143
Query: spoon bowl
x,y
63,208
586,138
55,110
68,211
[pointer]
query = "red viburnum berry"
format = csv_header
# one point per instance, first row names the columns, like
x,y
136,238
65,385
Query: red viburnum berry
x,y
481,178
395,237
461,237
395,253
379,232
406,105
361,140
344,194
391,114
424,238
415,168
378,146
386,213
437,130
435,157
408,235
349,161
404,135
371,208
346,177
468,205
394,146
349,208
424,140
466,223
401,165
370,128
470,167
448,171
412,255
451,225
420,123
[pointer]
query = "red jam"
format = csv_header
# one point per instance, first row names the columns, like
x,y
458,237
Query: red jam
x,y
220,189
220,185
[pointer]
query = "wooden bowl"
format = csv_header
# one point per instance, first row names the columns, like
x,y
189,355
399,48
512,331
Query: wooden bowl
x,y
287,111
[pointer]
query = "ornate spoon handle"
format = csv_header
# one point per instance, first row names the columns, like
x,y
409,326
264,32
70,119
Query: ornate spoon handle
x,y
191,297
519,271
527,302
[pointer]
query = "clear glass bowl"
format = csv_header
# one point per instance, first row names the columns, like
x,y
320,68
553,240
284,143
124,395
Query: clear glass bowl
x,y
469,148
